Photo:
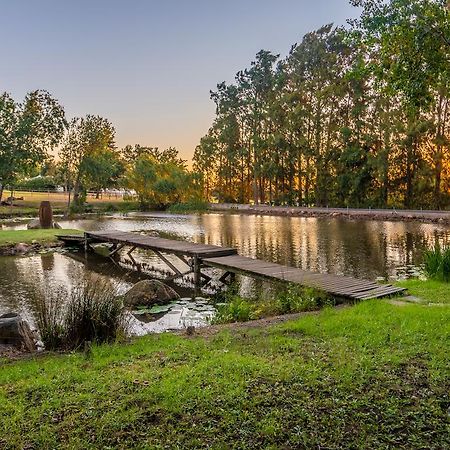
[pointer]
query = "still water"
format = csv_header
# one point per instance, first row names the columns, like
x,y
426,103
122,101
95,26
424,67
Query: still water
x,y
365,249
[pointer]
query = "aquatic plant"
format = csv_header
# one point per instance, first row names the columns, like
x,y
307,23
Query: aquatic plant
x,y
294,298
49,318
437,263
231,307
93,313
237,309
189,207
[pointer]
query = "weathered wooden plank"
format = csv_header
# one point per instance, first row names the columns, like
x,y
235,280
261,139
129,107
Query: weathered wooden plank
x,y
182,248
337,285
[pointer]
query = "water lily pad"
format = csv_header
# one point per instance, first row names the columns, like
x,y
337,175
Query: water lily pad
x,y
157,309
204,308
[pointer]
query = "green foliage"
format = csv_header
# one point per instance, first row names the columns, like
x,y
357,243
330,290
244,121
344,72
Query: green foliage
x,y
28,131
351,117
437,263
285,300
88,158
49,318
160,179
236,309
192,206
298,299
92,313
36,184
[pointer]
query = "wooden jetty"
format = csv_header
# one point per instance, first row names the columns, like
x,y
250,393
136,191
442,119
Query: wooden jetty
x,y
341,286
197,256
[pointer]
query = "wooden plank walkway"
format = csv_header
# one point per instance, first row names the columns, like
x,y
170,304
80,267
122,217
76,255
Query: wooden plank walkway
x,y
341,286
227,259
182,248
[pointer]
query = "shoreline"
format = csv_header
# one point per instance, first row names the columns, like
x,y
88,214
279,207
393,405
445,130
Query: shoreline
x,y
25,249
439,217
26,242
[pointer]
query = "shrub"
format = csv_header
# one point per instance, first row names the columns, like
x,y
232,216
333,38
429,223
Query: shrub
x,y
295,299
285,300
37,183
437,263
189,207
236,310
92,313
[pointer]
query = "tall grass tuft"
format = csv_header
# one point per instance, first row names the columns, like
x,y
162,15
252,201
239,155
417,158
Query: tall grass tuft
x,y
231,307
93,313
437,263
49,318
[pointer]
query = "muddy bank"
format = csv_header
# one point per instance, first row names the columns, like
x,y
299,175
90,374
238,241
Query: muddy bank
x,y
441,217
23,249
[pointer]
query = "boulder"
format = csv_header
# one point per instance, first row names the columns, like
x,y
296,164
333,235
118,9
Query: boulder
x,y
34,224
148,293
16,331
21,248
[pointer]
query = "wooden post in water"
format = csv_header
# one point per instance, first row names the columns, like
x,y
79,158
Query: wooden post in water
x,y
46,215
197,274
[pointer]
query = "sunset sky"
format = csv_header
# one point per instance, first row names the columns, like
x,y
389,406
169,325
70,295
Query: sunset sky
x,y
148,66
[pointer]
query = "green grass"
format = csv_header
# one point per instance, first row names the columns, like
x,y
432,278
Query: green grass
x,y
11,237
370,376
431,291
29,207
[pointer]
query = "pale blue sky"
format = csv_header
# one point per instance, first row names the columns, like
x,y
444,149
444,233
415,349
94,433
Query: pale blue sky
x,y
148,66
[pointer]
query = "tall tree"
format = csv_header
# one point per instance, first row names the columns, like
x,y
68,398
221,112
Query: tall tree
x,y
28,132
88,140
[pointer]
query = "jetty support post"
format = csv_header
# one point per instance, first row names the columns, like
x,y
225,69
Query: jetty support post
x,y
197,271
86,245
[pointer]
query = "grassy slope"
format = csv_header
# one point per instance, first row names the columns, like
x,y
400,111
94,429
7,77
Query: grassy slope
x,y
9,237
430,291
370,376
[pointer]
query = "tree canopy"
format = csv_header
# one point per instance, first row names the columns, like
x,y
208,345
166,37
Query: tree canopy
x,y
355,116
28,131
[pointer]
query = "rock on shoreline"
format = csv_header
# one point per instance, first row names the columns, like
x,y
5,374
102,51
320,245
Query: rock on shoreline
x,y
22,249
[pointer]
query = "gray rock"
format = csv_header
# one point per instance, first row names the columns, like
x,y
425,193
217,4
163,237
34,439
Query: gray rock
x,y
16,331
34,224
148,293
21,248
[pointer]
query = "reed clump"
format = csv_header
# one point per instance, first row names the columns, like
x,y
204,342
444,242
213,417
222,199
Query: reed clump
x,y
437,263
92,313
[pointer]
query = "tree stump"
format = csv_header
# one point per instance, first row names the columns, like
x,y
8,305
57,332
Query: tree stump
x,y
46,215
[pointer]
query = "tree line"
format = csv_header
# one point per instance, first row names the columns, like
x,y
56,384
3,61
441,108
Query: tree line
x,y
87,156
355,116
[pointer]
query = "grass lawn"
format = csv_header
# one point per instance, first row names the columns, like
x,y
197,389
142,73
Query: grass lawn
x,y
430,291
370,376
10,237
29,206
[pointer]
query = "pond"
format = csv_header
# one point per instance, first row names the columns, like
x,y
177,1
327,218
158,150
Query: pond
x,y
365,249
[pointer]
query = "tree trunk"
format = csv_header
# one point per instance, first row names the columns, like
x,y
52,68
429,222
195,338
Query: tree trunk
x,y
1,192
